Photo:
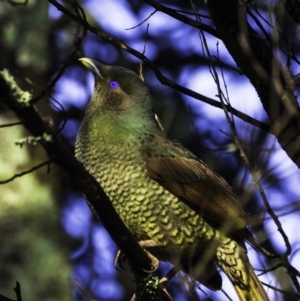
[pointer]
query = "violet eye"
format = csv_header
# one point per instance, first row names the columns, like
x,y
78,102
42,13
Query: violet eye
x,y
114,84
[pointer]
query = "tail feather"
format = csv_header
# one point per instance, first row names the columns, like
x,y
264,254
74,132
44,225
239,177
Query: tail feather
x,y
255,290
233,260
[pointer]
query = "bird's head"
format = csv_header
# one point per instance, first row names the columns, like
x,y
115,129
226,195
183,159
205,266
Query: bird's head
x,y
118,92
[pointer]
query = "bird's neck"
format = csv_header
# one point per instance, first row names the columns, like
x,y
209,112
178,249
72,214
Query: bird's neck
x,y
114,127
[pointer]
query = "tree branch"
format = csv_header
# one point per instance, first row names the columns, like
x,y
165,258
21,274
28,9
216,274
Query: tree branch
x,y
172,13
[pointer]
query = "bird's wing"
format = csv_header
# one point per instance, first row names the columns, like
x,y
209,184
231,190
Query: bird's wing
x,y
196,184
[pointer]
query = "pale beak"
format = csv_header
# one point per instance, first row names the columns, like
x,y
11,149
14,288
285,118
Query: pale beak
x,y
91,65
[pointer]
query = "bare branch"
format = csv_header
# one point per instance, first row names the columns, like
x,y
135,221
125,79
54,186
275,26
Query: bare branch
x,y
174,14
23,173
64,64
10,124
143,22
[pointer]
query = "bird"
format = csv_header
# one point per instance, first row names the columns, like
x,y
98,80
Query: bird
x,y
175,205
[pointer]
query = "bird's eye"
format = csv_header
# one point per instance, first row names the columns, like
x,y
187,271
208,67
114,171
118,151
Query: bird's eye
x,y
114,84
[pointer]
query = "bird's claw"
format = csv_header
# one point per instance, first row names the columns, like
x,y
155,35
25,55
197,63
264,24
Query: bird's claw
x,y
118,262
144,244
154,263
164,281
120,258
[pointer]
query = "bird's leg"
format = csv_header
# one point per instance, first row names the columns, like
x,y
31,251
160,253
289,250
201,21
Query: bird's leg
x,y
154,261
144,244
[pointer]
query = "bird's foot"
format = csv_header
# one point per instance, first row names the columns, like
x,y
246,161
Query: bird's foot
x,y
154,263
120,258
118,262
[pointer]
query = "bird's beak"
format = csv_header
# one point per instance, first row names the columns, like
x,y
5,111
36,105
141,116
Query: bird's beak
x,y
91,65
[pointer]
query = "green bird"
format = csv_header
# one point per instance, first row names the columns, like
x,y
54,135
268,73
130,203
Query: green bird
x,y
176,206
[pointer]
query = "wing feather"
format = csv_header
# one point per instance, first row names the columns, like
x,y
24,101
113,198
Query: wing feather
x,y
196,184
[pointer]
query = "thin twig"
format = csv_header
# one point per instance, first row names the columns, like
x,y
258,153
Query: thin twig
x,y
17,290
144,51
11,124
143,21
23,173
65,63
277,289
59,107
174,14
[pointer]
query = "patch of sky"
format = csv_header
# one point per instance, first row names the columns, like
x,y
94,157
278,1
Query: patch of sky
x,y
159,22
256,26
96,49
105,251
113,16
83,273
150,51
257,263
106,289
187,41
289,224
280,200
287,169
200,81
242,96
70,130
54,13
69,91
172,31
207,294
64,39
76,218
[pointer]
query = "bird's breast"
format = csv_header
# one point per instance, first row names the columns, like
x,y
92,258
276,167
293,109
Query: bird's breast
x,y
149,210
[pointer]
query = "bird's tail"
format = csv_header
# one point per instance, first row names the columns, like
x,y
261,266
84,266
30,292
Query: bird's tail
x,y
255,290
233,260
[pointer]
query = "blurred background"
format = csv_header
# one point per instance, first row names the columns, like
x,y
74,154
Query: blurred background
x,y
50,241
